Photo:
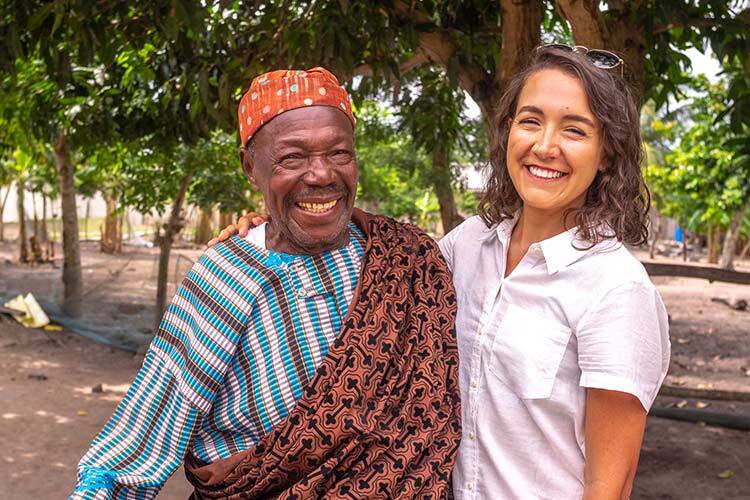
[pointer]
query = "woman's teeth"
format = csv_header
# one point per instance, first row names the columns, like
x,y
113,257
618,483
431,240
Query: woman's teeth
x,y
317,207
543,172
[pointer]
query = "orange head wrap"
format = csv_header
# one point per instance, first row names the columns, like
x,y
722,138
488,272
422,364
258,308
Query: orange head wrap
x,y
270,94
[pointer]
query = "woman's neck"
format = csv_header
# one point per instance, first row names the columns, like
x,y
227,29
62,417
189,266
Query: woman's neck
x,y
536,225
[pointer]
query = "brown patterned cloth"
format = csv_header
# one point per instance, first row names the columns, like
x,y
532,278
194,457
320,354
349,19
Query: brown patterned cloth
x,y
381,417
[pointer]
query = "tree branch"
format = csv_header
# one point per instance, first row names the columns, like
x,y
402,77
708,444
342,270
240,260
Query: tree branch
x,y
403,67
521,23
586,21
689,23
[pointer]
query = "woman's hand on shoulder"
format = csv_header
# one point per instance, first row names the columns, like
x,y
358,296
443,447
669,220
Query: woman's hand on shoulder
x,y
241,227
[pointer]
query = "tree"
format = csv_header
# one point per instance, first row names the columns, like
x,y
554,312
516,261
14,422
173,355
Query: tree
x,y
705,181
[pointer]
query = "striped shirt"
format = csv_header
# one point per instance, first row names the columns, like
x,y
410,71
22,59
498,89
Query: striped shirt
x,y
242,337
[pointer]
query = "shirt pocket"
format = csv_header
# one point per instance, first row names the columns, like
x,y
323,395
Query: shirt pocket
x,y
527,351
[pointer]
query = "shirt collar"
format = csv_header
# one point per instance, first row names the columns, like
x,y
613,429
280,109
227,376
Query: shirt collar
x,y
559,251
501,231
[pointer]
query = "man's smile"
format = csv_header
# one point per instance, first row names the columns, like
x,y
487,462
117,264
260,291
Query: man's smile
x,y
316,207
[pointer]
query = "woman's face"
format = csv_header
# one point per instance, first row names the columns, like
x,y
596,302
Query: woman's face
x,y
554,143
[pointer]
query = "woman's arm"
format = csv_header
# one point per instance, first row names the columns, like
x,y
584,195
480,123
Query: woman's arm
x,y
615,422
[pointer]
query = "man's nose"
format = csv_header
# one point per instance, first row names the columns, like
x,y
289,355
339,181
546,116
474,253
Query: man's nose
x,y
319,171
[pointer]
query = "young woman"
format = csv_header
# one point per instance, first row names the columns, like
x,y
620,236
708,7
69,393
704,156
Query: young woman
x,y
562,337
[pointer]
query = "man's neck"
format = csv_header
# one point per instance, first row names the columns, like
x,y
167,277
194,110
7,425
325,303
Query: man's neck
x,y
277,241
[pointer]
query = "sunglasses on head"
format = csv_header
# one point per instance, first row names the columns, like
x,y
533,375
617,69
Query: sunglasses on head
x,y
601,58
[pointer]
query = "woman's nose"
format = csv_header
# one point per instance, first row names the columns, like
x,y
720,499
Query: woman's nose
x,y
546,146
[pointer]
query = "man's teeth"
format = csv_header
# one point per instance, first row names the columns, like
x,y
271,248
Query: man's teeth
x,y
317,207
543,172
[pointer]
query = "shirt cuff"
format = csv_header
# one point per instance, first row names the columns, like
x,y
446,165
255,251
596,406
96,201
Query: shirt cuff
x,y
95,484
98,494
619,383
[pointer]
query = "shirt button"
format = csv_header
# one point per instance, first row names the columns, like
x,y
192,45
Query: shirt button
x,y
537,249
469,486
473,383
302,292
472,435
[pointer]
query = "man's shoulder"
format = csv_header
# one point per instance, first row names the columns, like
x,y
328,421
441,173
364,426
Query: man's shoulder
x,y
394,233
234,262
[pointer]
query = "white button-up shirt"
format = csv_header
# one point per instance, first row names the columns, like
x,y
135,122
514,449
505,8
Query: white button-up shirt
x,y
531,343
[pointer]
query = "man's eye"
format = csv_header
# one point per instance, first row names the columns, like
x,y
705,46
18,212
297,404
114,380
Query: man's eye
x,y
341,156
292,160
292,156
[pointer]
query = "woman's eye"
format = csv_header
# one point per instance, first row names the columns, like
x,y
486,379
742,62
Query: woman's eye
x,y
576,131
528,121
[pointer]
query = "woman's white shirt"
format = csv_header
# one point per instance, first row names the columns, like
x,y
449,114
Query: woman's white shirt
x,y
531,343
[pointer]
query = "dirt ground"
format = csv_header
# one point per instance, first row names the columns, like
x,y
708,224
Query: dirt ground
x,y
49,413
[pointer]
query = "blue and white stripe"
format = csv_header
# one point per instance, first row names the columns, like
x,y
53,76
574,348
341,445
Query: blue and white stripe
x,y
241,338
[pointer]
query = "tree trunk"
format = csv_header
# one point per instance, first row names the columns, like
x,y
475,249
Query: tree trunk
x,y
726,261
2,211
714,235
86,220
655,236
746,249
442,180
623,33
203,229
23,249
171,229
35,241
120,222
225,218
72,280
45,236
108,243
129,224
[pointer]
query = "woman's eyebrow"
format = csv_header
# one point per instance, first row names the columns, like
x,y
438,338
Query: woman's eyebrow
x,y
531,109
572,117
579,118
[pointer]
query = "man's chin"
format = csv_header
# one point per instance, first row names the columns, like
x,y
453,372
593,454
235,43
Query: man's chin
x,y
318,239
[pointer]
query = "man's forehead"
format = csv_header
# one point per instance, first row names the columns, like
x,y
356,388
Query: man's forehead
x,y
300,126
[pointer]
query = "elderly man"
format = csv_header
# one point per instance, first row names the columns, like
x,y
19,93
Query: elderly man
x,y
315,357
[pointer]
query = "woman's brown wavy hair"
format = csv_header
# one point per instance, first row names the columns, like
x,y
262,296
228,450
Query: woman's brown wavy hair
x,y
617,202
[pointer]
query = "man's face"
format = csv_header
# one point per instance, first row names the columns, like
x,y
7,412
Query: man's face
x,y
305,166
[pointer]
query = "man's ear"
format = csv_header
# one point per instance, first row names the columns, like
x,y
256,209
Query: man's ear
x,y
248,166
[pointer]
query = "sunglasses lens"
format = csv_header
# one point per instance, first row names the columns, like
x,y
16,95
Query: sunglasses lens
x,y
559,46
603,59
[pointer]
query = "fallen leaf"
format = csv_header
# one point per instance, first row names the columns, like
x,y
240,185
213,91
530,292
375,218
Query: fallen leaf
x,y
726,474
700,405
705,386
82,413
679,382
53,328
681,404
683,341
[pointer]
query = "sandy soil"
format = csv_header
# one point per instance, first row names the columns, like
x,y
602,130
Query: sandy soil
x,y
49,413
